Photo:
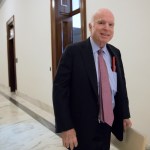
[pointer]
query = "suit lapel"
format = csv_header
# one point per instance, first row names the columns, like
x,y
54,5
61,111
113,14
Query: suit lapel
x,y
87,55
113,53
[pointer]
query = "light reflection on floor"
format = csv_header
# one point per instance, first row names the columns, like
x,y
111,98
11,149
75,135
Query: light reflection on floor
x,y
19,131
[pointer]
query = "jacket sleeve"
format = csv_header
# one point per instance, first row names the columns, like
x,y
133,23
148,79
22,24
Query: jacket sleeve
x,y
126,112
61,93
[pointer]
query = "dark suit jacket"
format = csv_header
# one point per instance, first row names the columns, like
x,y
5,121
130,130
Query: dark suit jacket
x,y
75,92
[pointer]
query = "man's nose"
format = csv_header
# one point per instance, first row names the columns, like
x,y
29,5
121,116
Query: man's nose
x,y
106,26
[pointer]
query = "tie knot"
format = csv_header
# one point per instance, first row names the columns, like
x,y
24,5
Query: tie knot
x,y
100,51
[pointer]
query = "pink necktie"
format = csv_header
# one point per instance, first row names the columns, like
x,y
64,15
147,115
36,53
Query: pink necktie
x,y
106,110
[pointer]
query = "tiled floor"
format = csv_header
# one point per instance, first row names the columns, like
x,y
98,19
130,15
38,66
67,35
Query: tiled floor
x,y
20,131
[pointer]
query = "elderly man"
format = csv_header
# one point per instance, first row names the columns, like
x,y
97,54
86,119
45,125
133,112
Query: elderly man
x,y
89,91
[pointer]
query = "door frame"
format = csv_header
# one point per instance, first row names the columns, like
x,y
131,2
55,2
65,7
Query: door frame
x,y
55,55
11,53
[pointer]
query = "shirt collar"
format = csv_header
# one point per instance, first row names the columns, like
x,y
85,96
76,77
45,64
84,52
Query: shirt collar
x,y
95,47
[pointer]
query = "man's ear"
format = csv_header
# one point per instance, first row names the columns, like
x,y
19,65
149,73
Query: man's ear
x,y
90,26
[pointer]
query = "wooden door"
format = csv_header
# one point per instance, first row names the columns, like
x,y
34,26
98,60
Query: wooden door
x,y
11,54
62,27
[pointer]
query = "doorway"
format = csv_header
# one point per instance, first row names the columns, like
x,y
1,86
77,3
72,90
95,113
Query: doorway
x,y
68,25
11,54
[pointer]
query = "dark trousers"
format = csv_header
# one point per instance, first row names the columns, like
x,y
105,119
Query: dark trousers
x,y
100,141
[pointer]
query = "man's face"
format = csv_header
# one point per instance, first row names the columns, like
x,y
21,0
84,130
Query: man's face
x,y
102,28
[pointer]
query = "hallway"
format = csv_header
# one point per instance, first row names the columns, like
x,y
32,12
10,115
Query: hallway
x,y
22,128
19,131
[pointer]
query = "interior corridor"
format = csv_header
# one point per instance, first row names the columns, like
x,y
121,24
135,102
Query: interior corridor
x,y
20,131
22,128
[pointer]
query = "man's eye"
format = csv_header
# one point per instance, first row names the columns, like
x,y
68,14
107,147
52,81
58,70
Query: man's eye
x,y
100,22
111,24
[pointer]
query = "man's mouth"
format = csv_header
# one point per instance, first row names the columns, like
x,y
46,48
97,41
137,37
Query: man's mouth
x,y
105,34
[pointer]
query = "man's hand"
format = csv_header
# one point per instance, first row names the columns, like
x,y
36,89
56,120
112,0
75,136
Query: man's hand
x,y
127,123
69,139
